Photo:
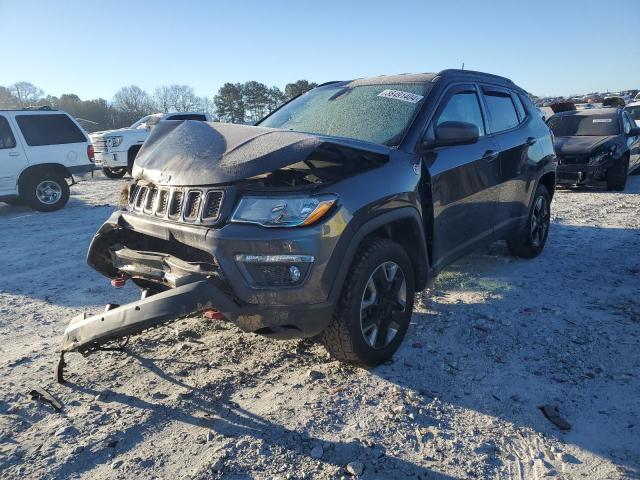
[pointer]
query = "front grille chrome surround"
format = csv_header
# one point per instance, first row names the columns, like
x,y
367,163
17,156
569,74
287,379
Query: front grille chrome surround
x,y
178,204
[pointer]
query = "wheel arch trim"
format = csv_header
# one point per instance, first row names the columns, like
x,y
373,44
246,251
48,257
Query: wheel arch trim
x,y
411,214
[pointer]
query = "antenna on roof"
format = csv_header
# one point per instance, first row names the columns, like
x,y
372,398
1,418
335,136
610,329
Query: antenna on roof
x,y
462,68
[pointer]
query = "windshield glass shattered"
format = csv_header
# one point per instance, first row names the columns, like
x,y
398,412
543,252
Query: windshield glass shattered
x,y
375,113
584,125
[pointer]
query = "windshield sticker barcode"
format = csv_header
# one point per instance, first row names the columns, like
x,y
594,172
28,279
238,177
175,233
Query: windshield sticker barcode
x,y
601,120
400,95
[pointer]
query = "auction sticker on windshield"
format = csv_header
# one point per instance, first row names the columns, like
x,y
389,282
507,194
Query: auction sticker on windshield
x,y
400,95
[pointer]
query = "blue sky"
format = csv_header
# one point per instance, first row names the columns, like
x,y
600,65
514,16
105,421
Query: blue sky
x,y
93,48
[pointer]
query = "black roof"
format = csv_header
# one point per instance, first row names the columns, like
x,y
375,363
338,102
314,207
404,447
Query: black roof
x,y
469,75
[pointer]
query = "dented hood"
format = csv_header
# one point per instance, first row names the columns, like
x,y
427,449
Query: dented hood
x,y
208,153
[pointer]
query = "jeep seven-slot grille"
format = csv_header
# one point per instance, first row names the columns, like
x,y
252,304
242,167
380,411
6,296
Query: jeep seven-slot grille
x,y
162,203
212,205
192,205
175,208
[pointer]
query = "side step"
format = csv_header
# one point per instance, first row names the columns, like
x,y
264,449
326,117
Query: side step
x,y
88,333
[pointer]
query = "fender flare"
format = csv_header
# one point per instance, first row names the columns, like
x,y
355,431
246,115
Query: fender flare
x,y
424,274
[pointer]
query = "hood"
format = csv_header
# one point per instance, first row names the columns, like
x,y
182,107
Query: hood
x,y
208,153
129,132
580,145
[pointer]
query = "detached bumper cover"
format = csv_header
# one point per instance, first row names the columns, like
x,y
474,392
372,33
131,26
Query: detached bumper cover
x,y
84,333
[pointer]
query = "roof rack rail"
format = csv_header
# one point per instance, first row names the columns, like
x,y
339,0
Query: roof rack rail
x,y
458,71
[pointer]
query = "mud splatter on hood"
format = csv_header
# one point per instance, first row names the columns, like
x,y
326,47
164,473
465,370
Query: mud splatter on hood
x,y
208,153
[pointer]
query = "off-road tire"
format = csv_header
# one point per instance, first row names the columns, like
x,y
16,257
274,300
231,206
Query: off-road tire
x,y
617,175
115,172
343,338
28,191
523,244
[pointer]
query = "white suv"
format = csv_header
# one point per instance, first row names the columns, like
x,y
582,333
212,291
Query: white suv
x,y
40,150
116,150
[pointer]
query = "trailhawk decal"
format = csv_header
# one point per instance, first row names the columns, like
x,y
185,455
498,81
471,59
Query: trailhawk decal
x,y
400,95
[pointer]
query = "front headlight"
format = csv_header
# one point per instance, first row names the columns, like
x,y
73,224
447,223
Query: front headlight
x,y
113,141
285,211
598,158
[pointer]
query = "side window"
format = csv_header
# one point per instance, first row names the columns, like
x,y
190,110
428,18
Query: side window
x,y
53,129
188,116
7,140
462,107
502,112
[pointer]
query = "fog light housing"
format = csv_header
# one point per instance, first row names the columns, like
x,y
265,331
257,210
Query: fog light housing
x,y
265,271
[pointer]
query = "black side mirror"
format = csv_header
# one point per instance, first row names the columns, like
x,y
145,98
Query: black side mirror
x,y
634,132
453,133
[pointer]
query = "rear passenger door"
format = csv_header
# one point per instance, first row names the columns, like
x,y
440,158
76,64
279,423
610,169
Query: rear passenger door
x,y
464,180
507,119
12,159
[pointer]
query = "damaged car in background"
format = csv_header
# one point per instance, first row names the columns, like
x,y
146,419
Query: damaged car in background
x,y
327,217
600,144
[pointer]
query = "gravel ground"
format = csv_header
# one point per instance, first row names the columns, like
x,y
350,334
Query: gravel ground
x,y
495,339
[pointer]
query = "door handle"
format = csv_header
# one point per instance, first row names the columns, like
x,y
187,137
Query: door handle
x,y
531,140
490,155
14,154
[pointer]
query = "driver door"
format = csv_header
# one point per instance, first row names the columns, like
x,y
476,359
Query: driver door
x,y
464,180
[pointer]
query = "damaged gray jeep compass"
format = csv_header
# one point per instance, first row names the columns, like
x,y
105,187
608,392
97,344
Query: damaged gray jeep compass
x,y
325,218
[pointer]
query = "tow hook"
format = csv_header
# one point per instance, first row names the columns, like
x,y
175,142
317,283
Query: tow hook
x,y
120,281
213,314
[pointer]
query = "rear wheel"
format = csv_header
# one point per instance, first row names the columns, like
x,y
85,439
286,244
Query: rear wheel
x,y
46,191
617,175
530,240
114,172
375,307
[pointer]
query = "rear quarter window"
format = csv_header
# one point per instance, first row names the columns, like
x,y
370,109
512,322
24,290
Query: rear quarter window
x,y
502,112
52,129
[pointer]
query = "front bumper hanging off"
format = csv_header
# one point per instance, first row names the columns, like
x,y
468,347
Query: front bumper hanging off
x,y
85,334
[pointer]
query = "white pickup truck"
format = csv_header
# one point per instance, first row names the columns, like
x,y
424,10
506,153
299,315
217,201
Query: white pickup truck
x,y
115,150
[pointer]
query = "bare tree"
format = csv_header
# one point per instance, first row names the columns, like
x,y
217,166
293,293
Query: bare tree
x,y
7,99
26,93
133,100
163,99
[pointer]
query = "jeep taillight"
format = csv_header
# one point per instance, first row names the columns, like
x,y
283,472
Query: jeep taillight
x,y
91,153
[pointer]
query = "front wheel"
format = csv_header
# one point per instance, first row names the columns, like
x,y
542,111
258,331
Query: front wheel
x,y
114,172
46,191
375,307
530,240
617,175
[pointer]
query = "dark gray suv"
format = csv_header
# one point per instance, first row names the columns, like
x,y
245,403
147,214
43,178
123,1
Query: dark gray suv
x,y
325,218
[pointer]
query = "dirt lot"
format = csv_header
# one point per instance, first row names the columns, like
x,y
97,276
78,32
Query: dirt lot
x,y
495,339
